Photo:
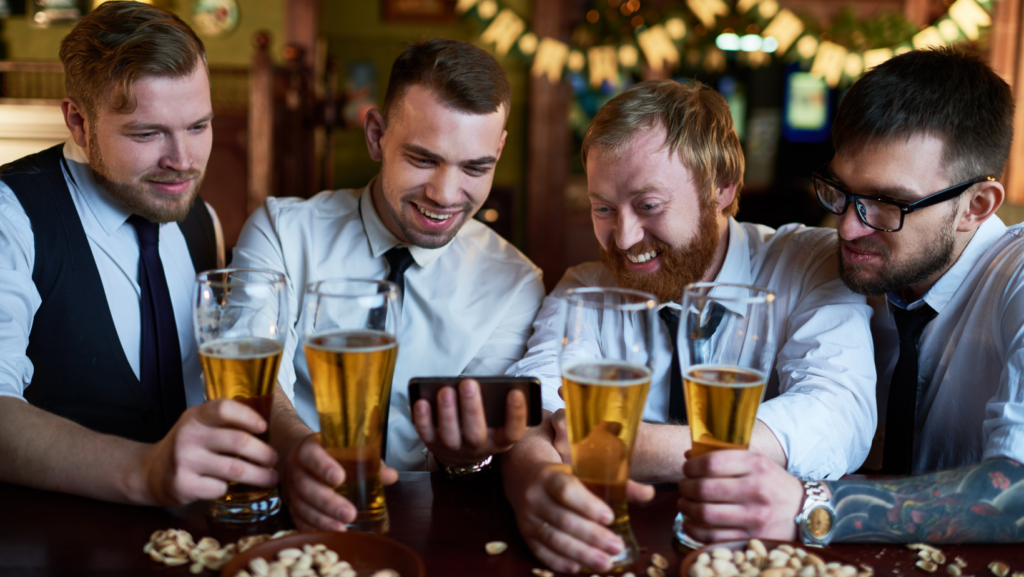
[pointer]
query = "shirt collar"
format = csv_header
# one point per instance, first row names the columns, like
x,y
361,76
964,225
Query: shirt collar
x,y
382,240
940,293
109,212
735,269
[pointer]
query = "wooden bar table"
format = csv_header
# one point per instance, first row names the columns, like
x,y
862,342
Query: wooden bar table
x,y
446,523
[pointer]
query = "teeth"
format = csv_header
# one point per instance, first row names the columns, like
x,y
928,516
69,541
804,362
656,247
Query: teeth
x,y
637,259
434,215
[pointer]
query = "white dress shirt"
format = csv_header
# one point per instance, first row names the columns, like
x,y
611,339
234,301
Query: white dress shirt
x,y
466,308
826,417
115,248
970,356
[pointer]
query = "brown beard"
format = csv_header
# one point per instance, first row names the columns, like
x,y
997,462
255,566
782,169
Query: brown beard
x,y
680,266
137,197
896,276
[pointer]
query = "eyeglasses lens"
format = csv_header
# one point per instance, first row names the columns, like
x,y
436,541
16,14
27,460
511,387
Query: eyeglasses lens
x,y
876,214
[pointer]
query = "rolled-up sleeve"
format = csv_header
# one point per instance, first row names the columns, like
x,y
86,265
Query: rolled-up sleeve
x,y
825,415
19,299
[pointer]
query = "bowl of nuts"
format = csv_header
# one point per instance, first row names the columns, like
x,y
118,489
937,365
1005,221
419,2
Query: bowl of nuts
x,y
764,558
327,554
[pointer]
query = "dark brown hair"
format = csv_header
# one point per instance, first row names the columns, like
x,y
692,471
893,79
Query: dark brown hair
x,y
119,42
462,76
949,93
698,127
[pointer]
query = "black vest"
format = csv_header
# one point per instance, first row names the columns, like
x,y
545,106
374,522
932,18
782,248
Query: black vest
x,y
81,371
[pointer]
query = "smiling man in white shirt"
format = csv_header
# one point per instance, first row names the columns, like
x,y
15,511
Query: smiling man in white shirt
x,y
664,171
100,242
469,296
920,141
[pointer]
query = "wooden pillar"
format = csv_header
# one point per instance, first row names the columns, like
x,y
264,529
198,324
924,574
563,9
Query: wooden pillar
x,y
1006,55
549,149
261,123
301,27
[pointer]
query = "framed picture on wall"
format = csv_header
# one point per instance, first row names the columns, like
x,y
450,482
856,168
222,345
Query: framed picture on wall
x,y
419,10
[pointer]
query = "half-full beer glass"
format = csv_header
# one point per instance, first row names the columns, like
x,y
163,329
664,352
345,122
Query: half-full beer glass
x,y
239,317
350,329
606,364
726,349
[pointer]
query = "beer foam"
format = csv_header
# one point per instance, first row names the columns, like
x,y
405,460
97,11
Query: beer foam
x,y
241,348
704,375
361,341
607,373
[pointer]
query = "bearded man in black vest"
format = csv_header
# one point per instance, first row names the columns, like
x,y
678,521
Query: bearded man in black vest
x,y
100,241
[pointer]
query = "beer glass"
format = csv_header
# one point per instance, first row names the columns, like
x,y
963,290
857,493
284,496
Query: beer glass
x,y
239,317
606,364
350,329
727,341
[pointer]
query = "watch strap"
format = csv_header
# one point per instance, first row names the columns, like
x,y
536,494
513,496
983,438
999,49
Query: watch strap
x,y
816,496
456,472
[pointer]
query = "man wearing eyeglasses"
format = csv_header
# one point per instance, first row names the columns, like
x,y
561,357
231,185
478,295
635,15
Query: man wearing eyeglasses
x,y
919,143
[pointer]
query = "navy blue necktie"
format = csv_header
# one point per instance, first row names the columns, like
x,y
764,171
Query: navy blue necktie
x,y
160,372
900,411
676,396
399,259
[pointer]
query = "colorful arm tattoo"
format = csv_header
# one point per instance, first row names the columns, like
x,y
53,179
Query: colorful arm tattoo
x,y
982,503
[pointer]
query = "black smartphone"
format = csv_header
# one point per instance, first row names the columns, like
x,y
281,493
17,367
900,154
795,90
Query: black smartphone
x,y
494,391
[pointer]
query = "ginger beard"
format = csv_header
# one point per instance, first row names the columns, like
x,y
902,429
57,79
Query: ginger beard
x,y
895,276
137,197
680,267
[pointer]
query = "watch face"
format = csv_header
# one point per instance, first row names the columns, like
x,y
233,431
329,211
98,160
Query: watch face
x,y
819,522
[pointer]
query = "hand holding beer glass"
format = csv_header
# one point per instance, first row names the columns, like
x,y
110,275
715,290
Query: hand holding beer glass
x,y
239,318
349,336
727,343
606,364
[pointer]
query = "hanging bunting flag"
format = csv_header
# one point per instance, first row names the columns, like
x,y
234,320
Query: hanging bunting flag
x,y
463,6
676,28
969,16
928,38
949,30
786,27
854,65
550,59
659,50
744,6
504,31
629,56
708,10
875,57
603,66
829,62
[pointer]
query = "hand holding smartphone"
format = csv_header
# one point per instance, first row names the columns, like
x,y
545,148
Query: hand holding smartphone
x,y
493,390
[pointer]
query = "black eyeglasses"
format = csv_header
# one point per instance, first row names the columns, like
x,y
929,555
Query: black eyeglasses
x,y
881,214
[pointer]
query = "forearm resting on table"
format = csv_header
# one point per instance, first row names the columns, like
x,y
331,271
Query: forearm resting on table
x,y
981,503
41,450
660,450
286,426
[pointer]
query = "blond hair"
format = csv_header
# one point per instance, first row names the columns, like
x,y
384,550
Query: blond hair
x,y
119,42
698,127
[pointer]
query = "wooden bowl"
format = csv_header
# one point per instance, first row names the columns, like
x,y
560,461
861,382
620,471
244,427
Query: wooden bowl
x,y
826,555
366,552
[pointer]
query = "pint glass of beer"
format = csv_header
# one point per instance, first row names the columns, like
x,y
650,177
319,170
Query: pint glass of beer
x,y
727,341
239,317
350,329
606,364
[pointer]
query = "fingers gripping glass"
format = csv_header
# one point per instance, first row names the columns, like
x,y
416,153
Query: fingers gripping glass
x,y
881,214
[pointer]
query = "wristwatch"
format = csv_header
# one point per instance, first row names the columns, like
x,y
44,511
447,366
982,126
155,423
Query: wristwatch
x,y
816,521
456,472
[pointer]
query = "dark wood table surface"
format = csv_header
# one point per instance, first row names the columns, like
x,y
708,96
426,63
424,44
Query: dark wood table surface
x,y
446,523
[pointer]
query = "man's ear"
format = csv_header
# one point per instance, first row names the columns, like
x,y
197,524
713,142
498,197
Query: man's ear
x,y
982,203
373,126
501,143
725,195
76,121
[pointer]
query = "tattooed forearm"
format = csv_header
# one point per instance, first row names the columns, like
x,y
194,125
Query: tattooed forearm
x,y
979,503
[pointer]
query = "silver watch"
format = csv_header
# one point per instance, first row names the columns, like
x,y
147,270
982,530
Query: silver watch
x,y
816,521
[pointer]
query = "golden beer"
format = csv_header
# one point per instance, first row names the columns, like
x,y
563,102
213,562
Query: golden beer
x,y
245,370
721,406
604,401
351,373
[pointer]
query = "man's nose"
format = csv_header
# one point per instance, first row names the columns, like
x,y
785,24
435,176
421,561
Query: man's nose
x,y
628,230
444,187
849,225
177,155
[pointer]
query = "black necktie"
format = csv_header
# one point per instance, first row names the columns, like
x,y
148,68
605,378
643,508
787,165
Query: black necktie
x,y
902,405
399,259
160,371
676,397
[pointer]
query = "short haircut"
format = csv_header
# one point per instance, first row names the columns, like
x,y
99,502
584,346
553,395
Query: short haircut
x,y
698,126
120,42
462,76
949,93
